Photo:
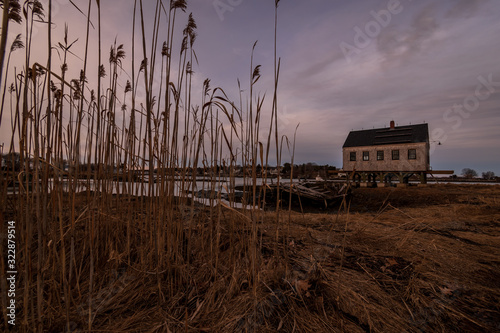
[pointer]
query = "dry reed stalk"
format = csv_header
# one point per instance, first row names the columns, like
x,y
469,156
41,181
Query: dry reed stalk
x,y
86,242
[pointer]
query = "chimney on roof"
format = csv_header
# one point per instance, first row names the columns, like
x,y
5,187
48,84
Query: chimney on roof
x,y
392,124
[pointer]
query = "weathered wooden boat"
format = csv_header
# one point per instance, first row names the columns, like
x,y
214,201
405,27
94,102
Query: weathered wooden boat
x,y
323,193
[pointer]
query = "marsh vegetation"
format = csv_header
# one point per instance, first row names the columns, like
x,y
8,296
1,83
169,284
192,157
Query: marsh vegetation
x,y
133,251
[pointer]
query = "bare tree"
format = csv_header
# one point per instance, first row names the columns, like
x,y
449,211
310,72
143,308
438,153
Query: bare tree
x,y
488,175
469,173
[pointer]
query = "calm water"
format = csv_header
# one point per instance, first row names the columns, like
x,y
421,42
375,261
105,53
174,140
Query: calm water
x,y
202,188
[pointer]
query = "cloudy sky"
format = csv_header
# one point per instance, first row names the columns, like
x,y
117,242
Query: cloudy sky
x,y
350,65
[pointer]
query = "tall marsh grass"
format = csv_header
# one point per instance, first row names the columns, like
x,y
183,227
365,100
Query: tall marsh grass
x,y
127,151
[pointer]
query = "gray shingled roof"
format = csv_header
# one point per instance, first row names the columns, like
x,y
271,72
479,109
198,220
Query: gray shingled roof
x,y
388,136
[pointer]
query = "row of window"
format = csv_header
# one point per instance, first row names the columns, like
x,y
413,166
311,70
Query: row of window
x,y
412,155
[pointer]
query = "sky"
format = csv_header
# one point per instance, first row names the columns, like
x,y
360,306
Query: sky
x,y
345,65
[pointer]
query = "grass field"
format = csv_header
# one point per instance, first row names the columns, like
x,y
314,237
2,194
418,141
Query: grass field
x,y
420,259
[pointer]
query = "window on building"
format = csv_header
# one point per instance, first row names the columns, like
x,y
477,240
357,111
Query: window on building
x,y
366,156
395,154
352,156
412,154
380,155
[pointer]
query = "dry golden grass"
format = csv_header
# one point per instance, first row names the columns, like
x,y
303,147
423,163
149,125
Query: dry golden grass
x,y
423,268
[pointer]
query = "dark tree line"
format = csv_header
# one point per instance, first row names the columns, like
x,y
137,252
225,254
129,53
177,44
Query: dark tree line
x,y
471,173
